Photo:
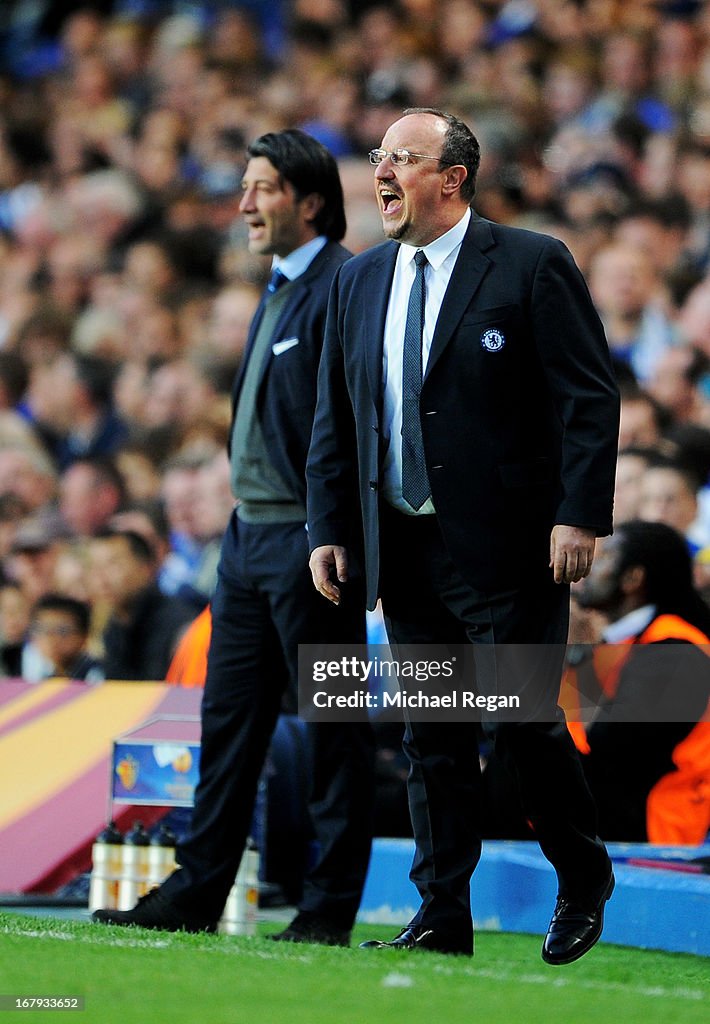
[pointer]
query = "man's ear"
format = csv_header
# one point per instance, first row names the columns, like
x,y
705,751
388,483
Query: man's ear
x,y
312,204
453,179
633,580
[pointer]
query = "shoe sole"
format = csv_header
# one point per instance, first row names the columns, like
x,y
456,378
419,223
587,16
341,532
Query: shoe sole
x,y
556,962
377,944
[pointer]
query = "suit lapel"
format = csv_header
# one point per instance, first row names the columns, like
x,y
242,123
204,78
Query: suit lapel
x,y
469,270
295,301
377,285
299,293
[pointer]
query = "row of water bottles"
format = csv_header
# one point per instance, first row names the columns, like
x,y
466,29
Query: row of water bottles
x,y
124,868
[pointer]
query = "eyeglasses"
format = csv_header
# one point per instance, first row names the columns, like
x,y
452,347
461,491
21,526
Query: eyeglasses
x,y
399,157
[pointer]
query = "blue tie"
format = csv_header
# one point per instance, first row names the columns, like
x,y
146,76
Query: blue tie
x,y
275,281
415,482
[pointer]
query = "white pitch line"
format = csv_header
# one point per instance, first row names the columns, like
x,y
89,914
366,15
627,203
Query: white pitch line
x,y
496,974
140,942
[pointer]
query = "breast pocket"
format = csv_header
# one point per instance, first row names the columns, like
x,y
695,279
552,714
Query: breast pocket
x,y
292,372
491,314
492,338
279,347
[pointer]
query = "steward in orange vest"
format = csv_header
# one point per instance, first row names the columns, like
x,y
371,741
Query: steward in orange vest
x,y
189,664
647,751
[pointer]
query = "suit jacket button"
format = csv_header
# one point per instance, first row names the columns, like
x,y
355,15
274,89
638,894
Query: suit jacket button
x,y
373,485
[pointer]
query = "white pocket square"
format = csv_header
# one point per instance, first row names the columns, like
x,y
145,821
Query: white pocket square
x,y
283,346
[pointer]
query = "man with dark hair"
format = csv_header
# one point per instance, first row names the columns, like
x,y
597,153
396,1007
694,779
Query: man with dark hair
x,y
144,625
647,751
91,490
668,493
264,605
92,427
299,165
466,391
59,629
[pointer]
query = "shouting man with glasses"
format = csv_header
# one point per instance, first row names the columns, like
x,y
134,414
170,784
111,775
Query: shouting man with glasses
x,y
466,391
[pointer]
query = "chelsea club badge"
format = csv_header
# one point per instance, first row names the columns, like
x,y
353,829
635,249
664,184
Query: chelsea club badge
x,y
492,340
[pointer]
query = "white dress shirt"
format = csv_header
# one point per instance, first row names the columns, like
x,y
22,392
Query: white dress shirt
x,y
441,255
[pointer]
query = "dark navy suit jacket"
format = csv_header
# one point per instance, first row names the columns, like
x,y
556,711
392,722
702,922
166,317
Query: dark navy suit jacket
x,y
287,385
519,406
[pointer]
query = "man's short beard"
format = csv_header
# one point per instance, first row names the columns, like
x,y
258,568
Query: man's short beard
x,y
397,234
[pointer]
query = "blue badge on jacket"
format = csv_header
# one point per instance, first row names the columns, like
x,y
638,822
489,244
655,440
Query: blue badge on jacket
x,y
492,340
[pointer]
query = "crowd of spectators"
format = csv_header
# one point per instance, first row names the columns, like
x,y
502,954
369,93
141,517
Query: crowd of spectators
x,y
126,287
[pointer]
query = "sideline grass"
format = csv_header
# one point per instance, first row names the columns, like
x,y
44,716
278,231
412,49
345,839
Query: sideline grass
x,y
131,975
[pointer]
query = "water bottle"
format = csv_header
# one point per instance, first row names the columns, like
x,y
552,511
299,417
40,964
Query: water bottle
x,y
240,910
106,865
161,856
134,873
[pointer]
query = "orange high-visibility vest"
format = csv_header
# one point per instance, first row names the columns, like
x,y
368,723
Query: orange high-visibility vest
x,y
678,805
608,661
189,664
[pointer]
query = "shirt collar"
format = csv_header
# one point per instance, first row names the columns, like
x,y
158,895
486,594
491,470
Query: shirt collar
x,y
298,261
630,625
442,247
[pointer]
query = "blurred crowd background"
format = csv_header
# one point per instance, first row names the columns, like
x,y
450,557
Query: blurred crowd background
x,y
126,288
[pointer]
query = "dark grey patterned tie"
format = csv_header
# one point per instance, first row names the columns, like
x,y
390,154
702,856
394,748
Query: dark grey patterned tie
x,y
415,483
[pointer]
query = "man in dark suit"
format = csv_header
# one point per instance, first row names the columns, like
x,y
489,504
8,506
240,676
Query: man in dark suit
x,y
466,390
264,605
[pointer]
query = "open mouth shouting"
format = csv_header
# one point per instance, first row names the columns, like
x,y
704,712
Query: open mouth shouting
x,y
391,201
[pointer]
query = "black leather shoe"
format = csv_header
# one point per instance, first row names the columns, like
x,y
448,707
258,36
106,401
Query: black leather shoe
x,y
154,911
419,937
307,927
574,928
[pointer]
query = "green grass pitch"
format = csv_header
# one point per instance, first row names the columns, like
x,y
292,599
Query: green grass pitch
x,y
131,976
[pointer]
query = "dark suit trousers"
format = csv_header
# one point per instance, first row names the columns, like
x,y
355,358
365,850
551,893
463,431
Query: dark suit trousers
x,y
263,607
426,600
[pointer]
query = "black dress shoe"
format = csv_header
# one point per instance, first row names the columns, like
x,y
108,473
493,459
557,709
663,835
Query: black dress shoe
x,y
307,927
418,936
154,911
575,927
